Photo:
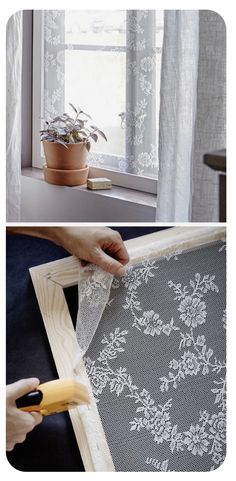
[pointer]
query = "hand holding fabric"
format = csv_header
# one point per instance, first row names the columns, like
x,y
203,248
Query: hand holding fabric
x,y
99,245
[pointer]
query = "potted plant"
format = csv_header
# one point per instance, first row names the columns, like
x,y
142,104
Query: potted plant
x,y
66,143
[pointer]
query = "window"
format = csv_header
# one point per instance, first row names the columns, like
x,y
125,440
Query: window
x,y
108,63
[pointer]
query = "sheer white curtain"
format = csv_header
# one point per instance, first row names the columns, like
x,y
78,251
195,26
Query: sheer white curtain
x,y
13,116
210,127
177,114
192,114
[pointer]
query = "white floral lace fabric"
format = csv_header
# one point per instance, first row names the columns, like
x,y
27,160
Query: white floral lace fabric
x,y
144,33
54,60
157,363
94,289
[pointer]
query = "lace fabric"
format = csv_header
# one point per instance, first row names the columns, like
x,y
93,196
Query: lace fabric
x,y
94,290
157,361
143,47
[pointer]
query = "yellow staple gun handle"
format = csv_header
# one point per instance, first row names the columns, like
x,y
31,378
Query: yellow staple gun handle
x,y
54,397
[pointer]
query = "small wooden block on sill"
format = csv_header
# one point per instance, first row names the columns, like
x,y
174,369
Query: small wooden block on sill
x,y
99,183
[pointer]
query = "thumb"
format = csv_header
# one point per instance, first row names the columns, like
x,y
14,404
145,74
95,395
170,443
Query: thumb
x,y
109,264
19,388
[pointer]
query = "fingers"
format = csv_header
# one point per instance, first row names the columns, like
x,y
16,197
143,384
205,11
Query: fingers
x,y
95,244
118,249
19,388
24,421
19,423
109,264
10,446
37,418
111,254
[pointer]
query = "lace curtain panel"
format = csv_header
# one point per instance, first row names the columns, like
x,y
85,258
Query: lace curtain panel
x,y
140,49
157,362
13,116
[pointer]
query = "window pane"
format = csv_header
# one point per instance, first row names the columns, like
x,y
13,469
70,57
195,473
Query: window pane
x,y
95,81
108,63
92,70
95,27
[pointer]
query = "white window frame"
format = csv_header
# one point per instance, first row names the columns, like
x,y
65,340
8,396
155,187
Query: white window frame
x,y
131,181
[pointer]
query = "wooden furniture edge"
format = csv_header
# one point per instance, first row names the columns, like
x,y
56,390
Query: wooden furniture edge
x,y
216,160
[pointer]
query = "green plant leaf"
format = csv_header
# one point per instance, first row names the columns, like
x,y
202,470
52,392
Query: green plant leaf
x,y
87,115
58,141
102,134
94,137
73,107
47,137
64,129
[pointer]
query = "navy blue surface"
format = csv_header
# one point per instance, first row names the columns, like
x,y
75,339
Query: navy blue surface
x,y
52,445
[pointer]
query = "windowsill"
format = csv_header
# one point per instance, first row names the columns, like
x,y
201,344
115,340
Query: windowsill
x,y
119,193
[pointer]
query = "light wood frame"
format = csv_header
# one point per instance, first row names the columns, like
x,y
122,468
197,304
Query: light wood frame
x,y
50,279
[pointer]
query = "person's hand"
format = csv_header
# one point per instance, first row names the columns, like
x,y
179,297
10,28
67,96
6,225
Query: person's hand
x,y
99,245
19,423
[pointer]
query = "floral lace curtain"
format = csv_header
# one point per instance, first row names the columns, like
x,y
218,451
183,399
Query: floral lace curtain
x,y
54,37
141,115
140,118
157,362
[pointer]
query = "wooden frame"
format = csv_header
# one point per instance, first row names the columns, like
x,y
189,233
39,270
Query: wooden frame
x,y
50,279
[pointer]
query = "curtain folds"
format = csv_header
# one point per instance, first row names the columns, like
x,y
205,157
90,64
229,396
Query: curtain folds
x,y
192,115
192,105
13,116
177,114
210,126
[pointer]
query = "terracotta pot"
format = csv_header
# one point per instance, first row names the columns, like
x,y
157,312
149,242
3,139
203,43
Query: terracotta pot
x,y
59,157
65,177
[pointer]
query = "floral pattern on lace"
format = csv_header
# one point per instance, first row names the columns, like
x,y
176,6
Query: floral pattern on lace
x,y
148,322
53,63
142,57
193,314
154,412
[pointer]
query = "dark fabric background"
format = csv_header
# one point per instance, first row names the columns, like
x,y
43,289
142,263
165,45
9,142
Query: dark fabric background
x,y
52,445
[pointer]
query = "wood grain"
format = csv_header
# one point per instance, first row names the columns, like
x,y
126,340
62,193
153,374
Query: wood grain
x,y
63,343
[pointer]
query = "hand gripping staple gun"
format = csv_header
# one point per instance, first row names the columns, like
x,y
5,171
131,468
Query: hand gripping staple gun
x,y
54,397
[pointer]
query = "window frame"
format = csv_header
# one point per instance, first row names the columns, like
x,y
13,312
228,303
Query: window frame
x,y
141,183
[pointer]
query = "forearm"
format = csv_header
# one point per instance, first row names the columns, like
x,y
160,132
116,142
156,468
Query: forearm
x,y
98,245
49,233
